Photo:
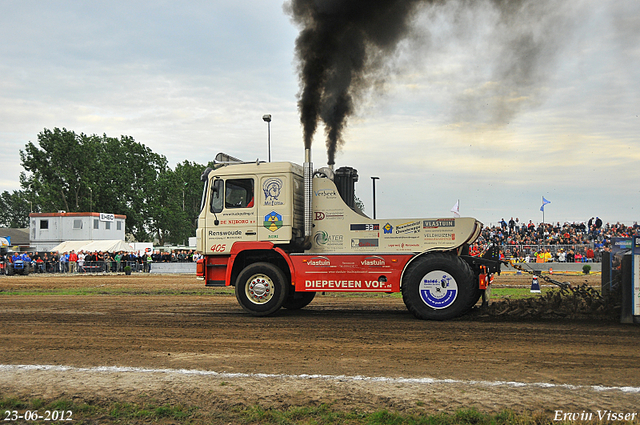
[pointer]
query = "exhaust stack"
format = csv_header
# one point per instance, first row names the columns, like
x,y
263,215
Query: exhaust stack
x,y
308,195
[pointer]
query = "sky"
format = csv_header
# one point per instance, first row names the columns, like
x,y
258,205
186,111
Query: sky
x,y
494,111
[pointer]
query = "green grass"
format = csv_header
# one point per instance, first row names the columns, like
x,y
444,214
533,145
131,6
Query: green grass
x,y
116,412
515,293
117,291
496,293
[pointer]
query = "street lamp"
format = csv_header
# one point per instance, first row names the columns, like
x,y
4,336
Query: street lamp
x,y
373,179
183,189
267,119
31,201
90,200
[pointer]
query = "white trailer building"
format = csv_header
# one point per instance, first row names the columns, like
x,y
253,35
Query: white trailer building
x,y
50,229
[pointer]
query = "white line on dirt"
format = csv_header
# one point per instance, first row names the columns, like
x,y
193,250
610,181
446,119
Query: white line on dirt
x,y
341,378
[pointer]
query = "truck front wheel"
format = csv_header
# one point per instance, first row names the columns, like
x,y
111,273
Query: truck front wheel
x,y
438,287
261,289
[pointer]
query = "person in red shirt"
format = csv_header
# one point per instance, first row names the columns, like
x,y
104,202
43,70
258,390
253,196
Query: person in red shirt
x,y
73,262
590,255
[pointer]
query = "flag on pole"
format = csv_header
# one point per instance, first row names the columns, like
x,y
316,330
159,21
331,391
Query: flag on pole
x,y
544,202
456,209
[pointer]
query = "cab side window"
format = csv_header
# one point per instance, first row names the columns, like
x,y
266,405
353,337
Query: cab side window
x,y
234,193
239,193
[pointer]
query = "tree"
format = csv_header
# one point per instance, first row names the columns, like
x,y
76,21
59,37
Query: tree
x,y
358,203
14,209
187,176
175,204
60,168
127,182
80,173
165,215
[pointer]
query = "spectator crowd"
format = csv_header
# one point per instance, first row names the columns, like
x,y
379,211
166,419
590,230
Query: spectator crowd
x,y
97,261
548,242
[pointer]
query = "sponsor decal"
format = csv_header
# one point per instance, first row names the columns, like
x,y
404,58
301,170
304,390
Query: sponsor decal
x,y
324,238
333,214
412,227
237,214
319,262
441,222
326,193
438,289
273,221
441,236
364,243
374,261
329,285
405,246
225,233
365,227
623,244
388,229
272,188
243,221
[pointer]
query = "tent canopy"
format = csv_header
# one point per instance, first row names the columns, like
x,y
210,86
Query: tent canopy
x,y
91,246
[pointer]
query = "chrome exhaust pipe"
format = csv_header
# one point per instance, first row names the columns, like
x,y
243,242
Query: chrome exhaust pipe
x,y
308,196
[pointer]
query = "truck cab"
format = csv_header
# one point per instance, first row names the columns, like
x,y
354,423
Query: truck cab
x,y
251,202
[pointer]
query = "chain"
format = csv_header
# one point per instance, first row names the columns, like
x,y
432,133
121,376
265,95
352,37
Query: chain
x,y
562,285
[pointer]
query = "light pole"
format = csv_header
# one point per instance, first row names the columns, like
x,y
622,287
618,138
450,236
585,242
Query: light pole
x,y
373,179
183,189
31,201
267,119
90,200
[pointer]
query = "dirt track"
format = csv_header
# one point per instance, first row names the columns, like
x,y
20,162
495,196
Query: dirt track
x,y
351,336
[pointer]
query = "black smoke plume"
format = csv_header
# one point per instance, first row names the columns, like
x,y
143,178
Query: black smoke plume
x,y
344,45
340,39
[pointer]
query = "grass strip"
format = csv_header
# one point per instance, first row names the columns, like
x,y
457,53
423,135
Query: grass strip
x,y
117,412
516,293
496,293
117,291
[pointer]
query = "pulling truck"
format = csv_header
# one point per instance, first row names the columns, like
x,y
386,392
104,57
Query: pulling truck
x,y
280,232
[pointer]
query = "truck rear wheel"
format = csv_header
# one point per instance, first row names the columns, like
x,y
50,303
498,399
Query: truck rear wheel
x,y
298,300
261,289
439,287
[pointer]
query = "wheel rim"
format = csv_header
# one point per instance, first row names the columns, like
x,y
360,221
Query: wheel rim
x,y
259,289
438,289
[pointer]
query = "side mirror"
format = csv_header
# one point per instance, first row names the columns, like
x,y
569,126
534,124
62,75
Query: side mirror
x,y
217,195
217,187
205,174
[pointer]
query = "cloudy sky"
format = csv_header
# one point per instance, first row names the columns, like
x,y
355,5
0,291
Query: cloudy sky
x,y
491,108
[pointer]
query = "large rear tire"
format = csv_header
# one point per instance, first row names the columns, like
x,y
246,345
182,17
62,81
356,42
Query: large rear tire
x,y
298,300
261,289
439,287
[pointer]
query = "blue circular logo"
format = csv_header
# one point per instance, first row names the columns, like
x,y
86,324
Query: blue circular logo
x,y
438,289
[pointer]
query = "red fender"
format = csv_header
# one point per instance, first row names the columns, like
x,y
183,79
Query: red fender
x,y
239,247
